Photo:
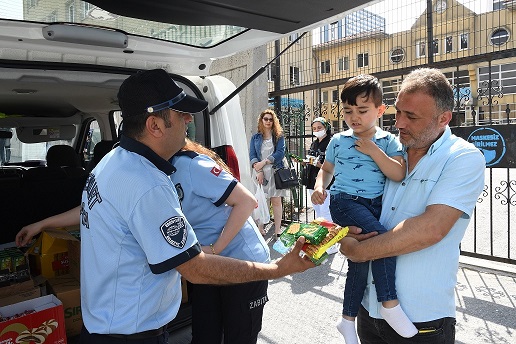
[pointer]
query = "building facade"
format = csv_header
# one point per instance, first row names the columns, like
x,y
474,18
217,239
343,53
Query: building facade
x,y
471,41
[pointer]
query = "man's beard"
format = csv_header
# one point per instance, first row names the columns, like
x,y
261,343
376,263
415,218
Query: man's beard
x,y
425,138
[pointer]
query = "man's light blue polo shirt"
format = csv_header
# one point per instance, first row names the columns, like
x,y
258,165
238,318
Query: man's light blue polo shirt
x,y
133,236
451,173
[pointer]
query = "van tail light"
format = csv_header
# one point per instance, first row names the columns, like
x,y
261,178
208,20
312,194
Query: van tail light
x,y
227,153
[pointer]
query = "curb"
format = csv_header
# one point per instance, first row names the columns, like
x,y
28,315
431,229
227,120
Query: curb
x,y
488,266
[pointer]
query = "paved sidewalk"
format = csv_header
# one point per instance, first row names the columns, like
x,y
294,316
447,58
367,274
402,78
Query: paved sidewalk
x,y
304,308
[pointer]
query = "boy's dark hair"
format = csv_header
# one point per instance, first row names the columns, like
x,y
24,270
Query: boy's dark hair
x,y
363,85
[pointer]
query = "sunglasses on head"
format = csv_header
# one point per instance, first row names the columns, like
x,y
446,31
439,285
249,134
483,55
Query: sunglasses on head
x,y
267,119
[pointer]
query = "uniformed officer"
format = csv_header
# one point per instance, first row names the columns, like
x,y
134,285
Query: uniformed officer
x,y
219,207
135,239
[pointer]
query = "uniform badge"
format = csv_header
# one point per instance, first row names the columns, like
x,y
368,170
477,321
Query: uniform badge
x,y
216,170
180,192
174,231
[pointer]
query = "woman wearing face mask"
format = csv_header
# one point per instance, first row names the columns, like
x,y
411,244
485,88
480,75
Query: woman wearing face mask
x,y
322,131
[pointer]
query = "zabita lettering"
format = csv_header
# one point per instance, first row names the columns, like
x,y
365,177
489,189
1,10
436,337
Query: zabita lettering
x,y
259,302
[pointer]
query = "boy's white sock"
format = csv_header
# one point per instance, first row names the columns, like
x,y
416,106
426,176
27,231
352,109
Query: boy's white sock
x,y
347,329
399,321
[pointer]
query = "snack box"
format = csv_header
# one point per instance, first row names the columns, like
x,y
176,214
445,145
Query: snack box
x,y
48,256
38,320
15,282
319,234
14,268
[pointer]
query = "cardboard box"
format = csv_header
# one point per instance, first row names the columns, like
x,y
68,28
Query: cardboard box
x,y
22,291
48,256
32,293
67,289
40,319
14,289
74,253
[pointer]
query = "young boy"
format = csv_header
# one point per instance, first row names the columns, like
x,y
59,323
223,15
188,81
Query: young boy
x,y
360,159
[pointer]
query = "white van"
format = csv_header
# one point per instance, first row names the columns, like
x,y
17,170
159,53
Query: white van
x,y
62,62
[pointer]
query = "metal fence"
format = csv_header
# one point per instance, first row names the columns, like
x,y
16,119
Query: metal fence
x,y
490,232
469,40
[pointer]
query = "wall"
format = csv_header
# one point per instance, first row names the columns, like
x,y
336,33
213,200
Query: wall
x,y
238,68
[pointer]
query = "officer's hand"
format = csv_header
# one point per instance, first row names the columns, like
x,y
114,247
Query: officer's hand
x,y
292,262
26,234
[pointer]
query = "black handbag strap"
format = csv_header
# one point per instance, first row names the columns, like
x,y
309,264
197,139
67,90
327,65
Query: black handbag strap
x,y
289,161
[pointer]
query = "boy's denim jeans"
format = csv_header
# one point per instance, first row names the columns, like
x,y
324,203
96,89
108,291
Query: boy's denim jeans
x,y
349,210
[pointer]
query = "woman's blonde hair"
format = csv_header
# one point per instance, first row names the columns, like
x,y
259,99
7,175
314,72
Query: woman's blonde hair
x,y
277,130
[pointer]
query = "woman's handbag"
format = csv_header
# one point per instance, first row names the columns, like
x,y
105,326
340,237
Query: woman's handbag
x,y
285,178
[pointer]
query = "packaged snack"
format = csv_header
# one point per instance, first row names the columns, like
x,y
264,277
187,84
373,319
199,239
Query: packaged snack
x,y
316,252
313,232
320,235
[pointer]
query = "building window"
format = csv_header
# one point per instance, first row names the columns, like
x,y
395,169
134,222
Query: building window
x,y
86,7
325,97
464,41
271,71
449,44
363,60
420,49
397,55
499,36
293,37
334,31
501,75
498,5
70,12
294,76
390,90
335,96
325,67
440,6
343,63
435,46
461,87
32,3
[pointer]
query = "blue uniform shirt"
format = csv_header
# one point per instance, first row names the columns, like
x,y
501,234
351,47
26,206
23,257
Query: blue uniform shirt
x,y
451,173
356,173
203,188
133,236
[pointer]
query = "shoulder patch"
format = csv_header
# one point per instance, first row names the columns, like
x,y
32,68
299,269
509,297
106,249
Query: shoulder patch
x,y
216,170
174,231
